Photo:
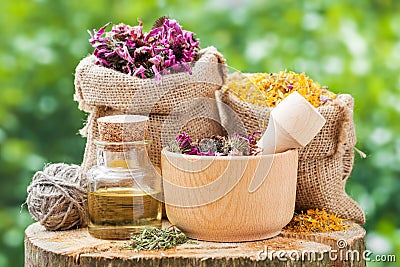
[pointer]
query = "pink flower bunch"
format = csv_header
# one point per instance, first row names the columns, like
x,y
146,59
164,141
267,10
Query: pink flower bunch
x,y
165,49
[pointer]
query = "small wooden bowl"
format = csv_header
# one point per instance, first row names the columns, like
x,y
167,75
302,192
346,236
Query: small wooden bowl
x,y
230,199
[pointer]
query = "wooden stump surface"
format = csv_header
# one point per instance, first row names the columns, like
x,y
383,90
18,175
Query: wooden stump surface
x,y
77,248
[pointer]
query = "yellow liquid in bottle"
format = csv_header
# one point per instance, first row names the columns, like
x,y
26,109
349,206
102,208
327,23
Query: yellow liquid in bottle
x,y
116,213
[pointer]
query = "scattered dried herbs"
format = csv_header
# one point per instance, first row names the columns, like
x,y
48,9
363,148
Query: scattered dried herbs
x,y
234,145
165,49
314,221
153,238
269,89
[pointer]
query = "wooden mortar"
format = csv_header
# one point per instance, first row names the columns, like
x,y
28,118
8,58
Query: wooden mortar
x,y
212,198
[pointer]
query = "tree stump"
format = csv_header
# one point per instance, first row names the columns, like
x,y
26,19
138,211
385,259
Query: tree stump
x,y
77,248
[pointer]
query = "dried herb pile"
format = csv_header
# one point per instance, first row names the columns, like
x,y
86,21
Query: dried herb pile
x,y
165,49
269,89
235,145
153,238
314,221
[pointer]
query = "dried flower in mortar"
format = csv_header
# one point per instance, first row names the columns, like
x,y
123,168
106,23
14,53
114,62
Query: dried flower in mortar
x,y
165,49
183,144
269,89
235,145
316,221
152,238
208,146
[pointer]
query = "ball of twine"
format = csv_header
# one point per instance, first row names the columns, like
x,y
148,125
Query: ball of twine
x,y
57,197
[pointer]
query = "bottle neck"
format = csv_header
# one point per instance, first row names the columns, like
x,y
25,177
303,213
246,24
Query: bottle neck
x,y
123,155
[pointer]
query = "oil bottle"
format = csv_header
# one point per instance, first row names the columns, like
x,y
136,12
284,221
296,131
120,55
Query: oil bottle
x,y
124,190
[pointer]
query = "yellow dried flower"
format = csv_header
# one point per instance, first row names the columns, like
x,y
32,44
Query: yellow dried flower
x,y
268,89
316,221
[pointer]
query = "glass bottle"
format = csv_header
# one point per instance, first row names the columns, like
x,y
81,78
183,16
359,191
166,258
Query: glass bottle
x,y
124,191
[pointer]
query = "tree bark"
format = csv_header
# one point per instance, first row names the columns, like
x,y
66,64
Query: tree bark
x,y
77,248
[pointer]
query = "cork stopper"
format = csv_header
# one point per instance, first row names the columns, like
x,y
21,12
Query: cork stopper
x,y
122,128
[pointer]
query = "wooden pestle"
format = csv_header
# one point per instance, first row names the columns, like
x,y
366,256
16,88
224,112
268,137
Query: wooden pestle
x,y
293,123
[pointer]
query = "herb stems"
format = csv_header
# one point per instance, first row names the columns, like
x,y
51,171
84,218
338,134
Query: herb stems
x,y
152,238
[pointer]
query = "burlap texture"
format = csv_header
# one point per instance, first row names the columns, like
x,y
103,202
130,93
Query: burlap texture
x,y
324,164
179,102
321,184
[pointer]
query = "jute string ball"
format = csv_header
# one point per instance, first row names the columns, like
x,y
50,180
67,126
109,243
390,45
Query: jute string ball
x,y
57,197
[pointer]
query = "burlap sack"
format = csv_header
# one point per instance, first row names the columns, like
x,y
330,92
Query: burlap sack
x,y
179,102
324,164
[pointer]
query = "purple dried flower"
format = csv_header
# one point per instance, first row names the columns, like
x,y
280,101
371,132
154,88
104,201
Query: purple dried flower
x,y
104,62
96,35
194,151
166,48
139,72
181,137
179,47
324,99
185,143
252,137
156,73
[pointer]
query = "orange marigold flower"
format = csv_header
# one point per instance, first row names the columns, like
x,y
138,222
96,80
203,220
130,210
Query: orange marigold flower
x,y
316,221
269,89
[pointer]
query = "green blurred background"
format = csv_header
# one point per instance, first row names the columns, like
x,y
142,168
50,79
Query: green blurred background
x,y
351,46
